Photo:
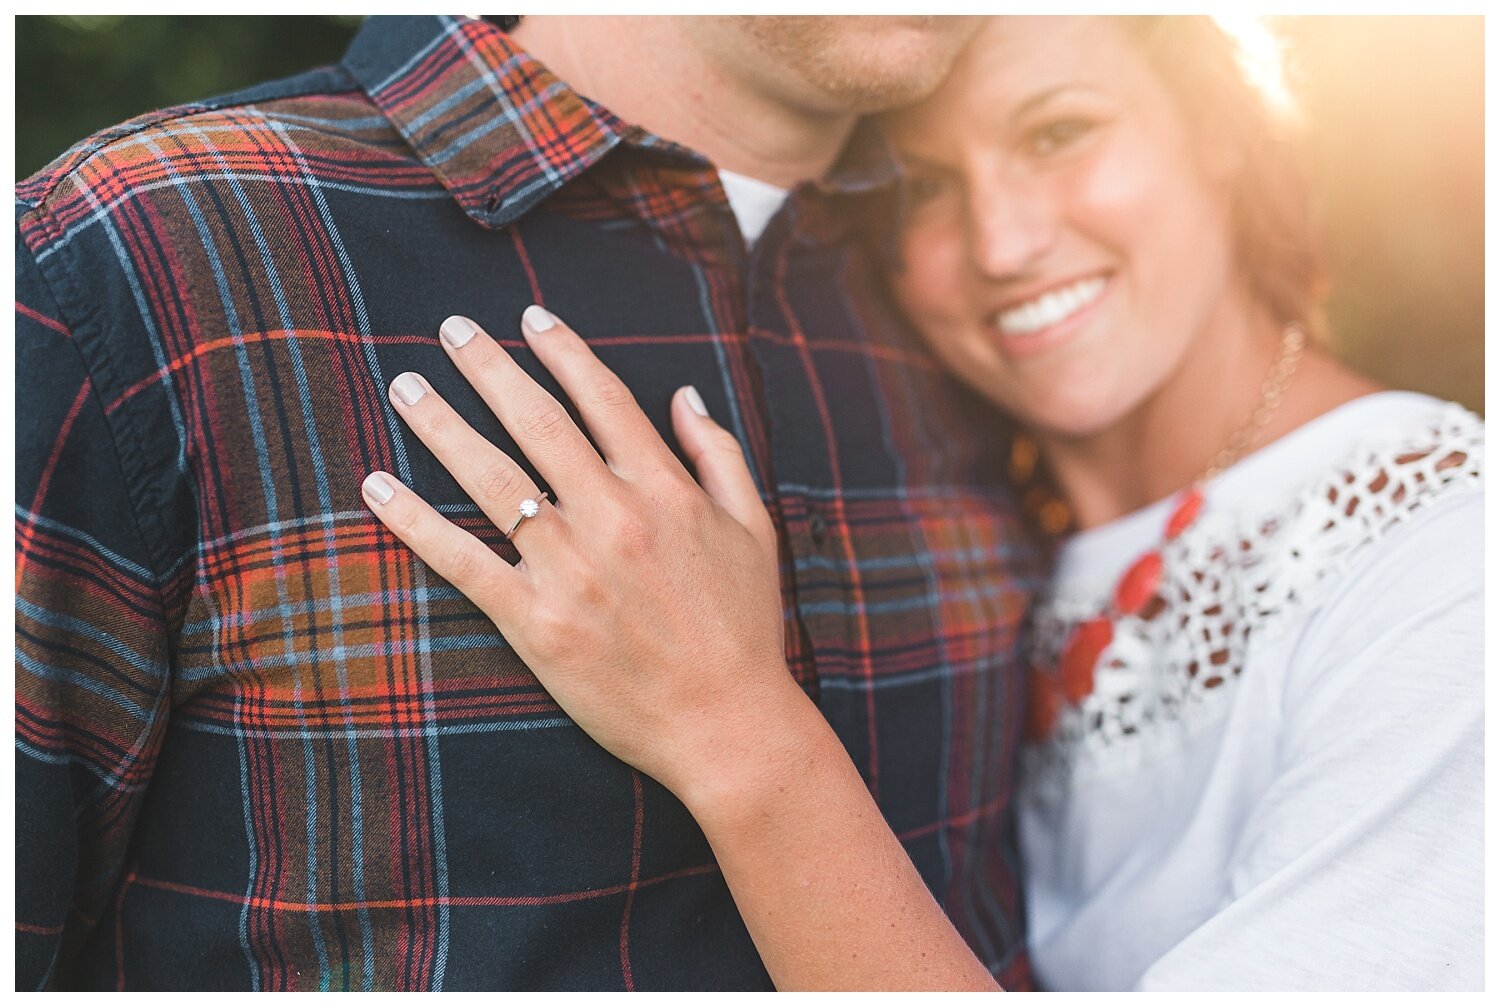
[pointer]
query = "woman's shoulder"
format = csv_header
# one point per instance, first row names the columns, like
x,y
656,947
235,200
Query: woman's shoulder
x,y
1382,470
1422,444
1389,456
1394,531
1399,461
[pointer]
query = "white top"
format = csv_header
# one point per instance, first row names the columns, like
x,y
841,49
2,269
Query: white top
x,y
1278,781
754,202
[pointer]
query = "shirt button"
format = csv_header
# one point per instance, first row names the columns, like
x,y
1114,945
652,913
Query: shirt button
x,y
818,528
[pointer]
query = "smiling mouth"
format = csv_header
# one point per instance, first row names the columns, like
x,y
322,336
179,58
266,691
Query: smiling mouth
x,y
1049,309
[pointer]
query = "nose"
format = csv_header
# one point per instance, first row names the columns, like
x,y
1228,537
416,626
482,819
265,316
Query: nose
x,y
1011,226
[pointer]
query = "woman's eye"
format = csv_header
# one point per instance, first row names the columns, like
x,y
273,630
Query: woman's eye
x,y
1055,136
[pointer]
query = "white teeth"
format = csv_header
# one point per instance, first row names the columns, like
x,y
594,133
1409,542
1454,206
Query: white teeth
x,y
1050,308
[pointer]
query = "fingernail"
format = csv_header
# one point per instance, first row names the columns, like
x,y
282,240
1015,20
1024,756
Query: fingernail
x,y
407,388
457,330
377,489
537,319
695,400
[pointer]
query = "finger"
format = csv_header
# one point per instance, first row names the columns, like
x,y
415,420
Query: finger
x,y
454,554
540,425
720,464
490,477
628,439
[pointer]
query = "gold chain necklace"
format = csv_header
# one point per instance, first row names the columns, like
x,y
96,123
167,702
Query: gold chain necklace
x,y
1073,678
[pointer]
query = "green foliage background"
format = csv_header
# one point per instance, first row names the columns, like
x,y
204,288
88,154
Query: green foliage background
x,y
1396,145
77,74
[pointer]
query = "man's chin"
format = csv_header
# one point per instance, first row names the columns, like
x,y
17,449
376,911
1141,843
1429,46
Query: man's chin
x,y
867,96
864,64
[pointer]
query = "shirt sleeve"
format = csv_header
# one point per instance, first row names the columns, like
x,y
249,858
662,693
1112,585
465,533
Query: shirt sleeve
x,y
1362,864
92,651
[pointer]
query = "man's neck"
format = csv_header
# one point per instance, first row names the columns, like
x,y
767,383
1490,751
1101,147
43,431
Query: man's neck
x,y
649,73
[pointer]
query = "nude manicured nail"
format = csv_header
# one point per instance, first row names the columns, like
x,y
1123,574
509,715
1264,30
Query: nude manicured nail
x,y
377,488
695,401
407,388
457,330
537,319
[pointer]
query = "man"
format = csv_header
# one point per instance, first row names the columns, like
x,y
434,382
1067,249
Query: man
x,y
260,744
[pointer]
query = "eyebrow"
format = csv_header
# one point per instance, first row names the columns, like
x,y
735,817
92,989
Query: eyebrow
x,y
1037,100
1042,97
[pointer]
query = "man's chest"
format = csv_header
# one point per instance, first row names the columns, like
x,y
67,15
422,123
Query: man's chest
x,y
371,753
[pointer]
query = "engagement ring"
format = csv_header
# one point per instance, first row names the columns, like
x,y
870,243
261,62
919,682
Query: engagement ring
x,y
529,507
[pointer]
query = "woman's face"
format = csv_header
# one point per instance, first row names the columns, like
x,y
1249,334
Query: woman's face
x,y
1065,248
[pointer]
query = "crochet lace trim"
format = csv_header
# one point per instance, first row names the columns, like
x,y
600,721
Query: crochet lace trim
x,y
1232,578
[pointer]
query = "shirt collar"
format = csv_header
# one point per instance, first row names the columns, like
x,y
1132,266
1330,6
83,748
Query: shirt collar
x,y
502,132
496,127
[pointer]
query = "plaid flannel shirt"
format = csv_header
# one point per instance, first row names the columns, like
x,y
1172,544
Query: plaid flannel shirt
x,y
260,744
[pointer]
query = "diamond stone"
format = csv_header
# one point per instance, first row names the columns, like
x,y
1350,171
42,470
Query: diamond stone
x,y
529,508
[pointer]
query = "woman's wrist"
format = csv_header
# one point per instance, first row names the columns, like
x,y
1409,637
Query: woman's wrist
x,y
827,892
749,765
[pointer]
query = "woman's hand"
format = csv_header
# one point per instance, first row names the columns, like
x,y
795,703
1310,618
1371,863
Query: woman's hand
x,y
648,605
650,608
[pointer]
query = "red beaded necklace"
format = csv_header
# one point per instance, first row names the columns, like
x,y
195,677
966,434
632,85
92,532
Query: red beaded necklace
x,y
1073,679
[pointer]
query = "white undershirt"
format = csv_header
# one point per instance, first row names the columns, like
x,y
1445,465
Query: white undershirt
x,y
1315,820
754,202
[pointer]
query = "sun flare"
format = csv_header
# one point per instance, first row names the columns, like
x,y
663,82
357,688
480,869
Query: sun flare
x,y
1262,58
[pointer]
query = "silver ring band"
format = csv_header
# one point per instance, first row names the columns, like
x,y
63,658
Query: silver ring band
x,y
529,507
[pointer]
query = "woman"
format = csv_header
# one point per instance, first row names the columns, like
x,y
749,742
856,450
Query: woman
x,y
1257,713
